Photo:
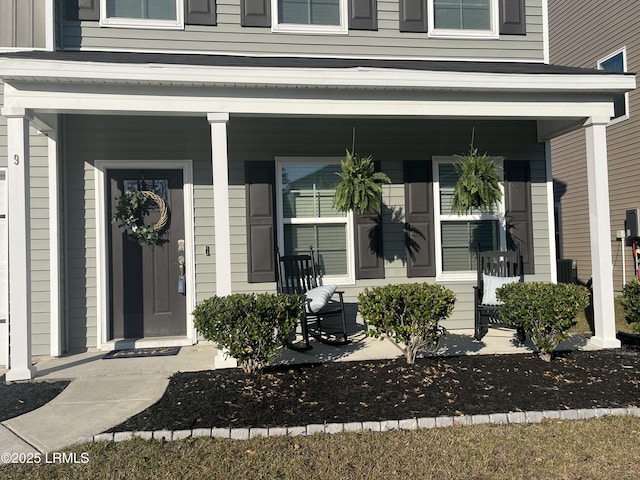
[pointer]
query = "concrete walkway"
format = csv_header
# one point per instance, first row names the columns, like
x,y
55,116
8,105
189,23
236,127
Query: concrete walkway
x,y
103,393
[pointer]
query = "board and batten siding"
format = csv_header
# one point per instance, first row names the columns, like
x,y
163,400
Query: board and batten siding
x,y
40,271
229,37
574,43
390,142
90,138
22,23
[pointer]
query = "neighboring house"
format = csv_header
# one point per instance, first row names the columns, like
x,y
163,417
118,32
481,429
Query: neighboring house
x,y
240,112
605,36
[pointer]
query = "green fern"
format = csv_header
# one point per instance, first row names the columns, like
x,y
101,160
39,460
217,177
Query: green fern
x,y
478,183
359,188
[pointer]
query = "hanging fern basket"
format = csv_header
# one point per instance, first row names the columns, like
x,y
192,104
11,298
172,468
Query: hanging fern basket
x,y
360,185
132,207
479,183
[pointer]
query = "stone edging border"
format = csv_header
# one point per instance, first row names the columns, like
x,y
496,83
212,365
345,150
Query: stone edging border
x,y
375,426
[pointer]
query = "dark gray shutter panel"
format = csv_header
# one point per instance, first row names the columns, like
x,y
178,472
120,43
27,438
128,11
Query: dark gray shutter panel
x,y
513,17
255,13
363,15
83,9
419,226
413,16
368,239
517,185
260,180
200,12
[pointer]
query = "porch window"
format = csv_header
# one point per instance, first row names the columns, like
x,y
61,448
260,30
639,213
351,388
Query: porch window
x,y
142,13
616,62
458,236
308,219
463,18
310,16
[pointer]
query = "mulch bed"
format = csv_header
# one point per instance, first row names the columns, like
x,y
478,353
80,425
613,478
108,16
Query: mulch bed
x,y
22,397
391,389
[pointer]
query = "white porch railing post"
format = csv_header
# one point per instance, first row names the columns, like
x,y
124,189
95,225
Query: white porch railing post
x,y
19,226
600,232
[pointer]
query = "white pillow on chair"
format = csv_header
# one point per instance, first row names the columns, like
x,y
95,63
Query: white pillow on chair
x,y
318,297
490,284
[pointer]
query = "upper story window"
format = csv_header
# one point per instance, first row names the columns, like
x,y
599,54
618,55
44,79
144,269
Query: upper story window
x,y
310,16
458,237
463,18
142,13
617,62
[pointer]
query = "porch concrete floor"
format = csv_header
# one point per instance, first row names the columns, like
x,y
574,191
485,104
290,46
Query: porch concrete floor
x,y
104,393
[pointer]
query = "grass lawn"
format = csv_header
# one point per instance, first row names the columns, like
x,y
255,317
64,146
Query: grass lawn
x,y
604,448
585,324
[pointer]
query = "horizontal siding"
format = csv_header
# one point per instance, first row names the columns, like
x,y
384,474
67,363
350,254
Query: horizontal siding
x,y
579,46
117,138
390,142
230,37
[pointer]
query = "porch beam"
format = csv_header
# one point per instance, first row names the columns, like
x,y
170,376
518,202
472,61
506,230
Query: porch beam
x,y
220,165
19,226
600,233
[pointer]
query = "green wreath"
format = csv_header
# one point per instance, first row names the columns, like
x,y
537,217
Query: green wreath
x,y
132,207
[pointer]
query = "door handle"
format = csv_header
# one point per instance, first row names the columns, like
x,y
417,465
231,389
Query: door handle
x,y
182,287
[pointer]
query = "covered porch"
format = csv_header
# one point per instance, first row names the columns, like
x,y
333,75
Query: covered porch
x,y
43,90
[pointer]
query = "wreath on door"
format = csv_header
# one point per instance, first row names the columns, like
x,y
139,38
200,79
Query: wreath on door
x,y
132,207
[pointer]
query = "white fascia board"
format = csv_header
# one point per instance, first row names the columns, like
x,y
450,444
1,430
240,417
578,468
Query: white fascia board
x,y
360,77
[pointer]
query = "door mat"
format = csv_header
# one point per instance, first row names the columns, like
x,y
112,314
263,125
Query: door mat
x,y
142,352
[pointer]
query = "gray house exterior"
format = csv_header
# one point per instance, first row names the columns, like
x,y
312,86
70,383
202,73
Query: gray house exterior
x,y
237,113
577,46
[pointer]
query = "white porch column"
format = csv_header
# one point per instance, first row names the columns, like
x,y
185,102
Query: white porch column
x,y
19,226
600,226
220,161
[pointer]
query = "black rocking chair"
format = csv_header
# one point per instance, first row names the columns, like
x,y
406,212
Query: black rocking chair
x,y
297,274
495,268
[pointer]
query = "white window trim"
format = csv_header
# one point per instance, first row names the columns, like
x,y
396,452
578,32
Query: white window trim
x,y
341,29
121,22
469,275
622,51
348,279
492,33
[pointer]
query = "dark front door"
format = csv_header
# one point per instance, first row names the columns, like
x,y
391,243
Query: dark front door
x,y
145,297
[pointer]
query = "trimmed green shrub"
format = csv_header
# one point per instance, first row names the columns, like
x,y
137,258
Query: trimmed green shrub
x,y
407,313
544,310
253,328
631,304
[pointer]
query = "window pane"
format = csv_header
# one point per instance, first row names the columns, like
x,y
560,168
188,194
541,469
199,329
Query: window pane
x,y
616,64
460,240
462,14
144,9
329,242
308,189
309,12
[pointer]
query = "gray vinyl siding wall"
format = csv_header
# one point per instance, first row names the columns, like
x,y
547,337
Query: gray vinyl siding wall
x,y
390,142
90,138
40,283
228,36
22,23
581,34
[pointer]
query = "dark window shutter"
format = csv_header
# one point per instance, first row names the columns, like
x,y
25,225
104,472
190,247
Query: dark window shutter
x,y
200,12
419,227
517,184
260,180
363,15
83,9
413,16
255,13
513,17
368,239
